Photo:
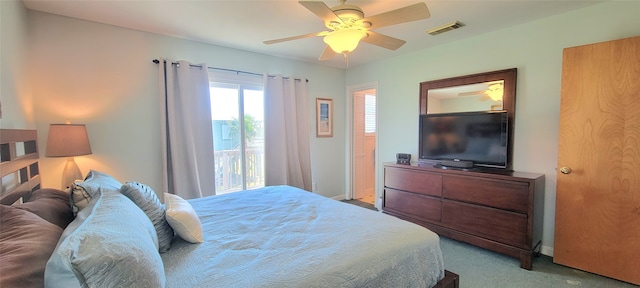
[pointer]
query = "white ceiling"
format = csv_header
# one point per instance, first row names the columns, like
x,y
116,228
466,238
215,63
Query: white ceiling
x,y
245,24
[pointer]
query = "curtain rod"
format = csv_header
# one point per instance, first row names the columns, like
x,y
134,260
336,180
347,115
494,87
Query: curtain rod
x,y
228,70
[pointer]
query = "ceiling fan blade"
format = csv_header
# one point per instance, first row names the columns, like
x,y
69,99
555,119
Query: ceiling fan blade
x,y
321,10
295,37
327,53
473,93
383,41
410,13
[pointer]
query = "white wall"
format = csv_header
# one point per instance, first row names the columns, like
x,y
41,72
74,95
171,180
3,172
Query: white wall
x,y
15,95
103,76
534,48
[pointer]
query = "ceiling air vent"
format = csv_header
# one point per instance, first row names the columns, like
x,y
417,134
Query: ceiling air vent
x,y
444,28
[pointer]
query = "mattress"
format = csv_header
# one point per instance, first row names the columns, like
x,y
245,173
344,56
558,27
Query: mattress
x,y
281,236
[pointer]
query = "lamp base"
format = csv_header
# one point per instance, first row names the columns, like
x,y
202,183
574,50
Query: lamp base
x,y
70,173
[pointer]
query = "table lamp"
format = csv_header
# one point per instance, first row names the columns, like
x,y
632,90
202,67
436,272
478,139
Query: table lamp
x,y
68,140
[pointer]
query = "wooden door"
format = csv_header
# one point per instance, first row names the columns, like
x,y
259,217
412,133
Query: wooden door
x,y
597,226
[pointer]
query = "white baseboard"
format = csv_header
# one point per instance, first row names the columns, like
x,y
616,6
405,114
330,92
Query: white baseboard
x,y
546,250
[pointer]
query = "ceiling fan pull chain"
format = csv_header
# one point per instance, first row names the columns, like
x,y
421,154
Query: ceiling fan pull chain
x,y
346,60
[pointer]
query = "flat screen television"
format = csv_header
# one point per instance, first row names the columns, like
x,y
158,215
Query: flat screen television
x,y
465,140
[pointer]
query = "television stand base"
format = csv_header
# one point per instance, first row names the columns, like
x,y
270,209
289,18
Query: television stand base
x,y
456,164
444,167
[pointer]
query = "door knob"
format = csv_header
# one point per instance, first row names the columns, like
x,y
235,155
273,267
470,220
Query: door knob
x,y
565,170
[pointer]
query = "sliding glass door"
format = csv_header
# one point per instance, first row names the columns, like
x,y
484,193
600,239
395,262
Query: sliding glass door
x,y
238,144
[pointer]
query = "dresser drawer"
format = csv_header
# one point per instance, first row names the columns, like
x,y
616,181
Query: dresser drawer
x,y
502,226
509,195
413,205
414,181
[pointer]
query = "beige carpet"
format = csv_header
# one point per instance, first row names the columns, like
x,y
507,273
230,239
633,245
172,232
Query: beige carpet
x,y
482,268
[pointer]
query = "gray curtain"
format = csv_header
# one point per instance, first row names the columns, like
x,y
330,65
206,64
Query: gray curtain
x,y
287,132
186,129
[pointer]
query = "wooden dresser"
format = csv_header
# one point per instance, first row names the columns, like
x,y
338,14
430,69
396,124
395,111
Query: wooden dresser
x,y
500,211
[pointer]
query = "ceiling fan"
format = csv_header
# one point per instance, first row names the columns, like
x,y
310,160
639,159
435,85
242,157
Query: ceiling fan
x,y
494,92
348,26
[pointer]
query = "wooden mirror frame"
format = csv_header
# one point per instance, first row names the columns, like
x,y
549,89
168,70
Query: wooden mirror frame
x,y
508,99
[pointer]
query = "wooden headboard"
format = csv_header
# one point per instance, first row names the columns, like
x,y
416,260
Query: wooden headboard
x,y
19,166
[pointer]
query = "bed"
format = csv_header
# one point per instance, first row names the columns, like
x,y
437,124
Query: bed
x,y
104,233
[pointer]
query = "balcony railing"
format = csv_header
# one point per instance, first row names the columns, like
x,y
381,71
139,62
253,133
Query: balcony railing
x,y
228,165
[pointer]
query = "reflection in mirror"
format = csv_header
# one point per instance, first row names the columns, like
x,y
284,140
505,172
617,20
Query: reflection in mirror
x,y
486,96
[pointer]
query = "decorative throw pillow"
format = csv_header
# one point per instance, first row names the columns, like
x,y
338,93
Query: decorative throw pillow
x,y
82,192
26,243
111,243
183,219
79,198
147,200
51,205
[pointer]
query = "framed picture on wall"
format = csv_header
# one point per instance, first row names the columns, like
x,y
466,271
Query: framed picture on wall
x,y
324,117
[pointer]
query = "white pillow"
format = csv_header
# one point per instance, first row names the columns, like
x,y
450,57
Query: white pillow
x,y
183,219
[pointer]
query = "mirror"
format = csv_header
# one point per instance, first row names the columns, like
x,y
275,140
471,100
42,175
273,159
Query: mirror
x,y
478,92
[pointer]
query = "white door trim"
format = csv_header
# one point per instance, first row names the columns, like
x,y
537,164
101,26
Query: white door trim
x,y
349,139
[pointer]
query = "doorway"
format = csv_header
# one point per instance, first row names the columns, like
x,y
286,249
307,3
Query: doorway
x,y
364,133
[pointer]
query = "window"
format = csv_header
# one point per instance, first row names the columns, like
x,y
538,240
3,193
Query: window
x,y
238,145
369,113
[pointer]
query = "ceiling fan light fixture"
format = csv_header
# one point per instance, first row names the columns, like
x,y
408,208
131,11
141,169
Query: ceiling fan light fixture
x,y
344,41
347,26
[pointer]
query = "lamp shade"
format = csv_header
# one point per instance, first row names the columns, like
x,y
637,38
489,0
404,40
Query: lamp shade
x,y
344,41
67,140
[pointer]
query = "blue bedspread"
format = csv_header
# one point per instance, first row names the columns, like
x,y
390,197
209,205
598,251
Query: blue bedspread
x,y
282,236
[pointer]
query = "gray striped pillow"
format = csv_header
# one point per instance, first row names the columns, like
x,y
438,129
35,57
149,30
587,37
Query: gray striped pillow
x,y
148,202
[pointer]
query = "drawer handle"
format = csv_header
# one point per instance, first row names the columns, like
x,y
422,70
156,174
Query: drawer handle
x,y
565,170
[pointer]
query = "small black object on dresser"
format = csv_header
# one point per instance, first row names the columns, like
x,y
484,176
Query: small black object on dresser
x,y
403,158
